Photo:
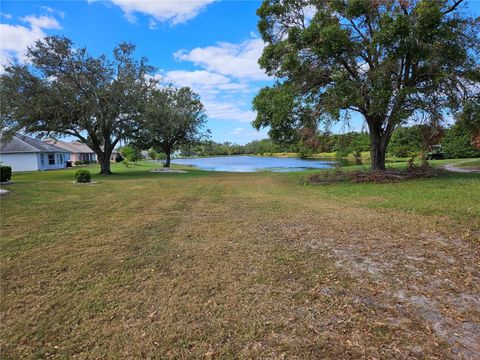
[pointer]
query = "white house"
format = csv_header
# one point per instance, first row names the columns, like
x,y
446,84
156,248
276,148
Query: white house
x,y
23,153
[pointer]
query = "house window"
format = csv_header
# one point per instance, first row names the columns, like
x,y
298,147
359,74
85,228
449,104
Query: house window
x,y
51,159
42,159
60,158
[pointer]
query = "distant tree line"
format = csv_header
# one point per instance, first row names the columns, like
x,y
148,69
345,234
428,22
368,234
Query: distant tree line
x,y
457,141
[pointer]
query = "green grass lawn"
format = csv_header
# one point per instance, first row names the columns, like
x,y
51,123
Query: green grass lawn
x,y
238,265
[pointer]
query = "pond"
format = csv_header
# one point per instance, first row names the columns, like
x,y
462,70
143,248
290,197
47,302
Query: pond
x,y
245,163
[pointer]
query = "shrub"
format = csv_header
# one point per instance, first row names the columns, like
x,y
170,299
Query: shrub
x,y
403,151
83,176
131,154
5,173
79,162
457,143
153,154
406,142
360,143
304,151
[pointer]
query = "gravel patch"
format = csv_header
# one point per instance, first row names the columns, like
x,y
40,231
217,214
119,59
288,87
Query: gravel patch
x,y
168,170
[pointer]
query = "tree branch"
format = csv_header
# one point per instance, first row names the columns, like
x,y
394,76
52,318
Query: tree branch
x,y
453,7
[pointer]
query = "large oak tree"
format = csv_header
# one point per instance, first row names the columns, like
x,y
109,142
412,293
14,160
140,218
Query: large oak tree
x,y
173,117
392,61
63,90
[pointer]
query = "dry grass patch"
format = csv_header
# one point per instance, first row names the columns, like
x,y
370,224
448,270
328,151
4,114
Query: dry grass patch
x,y
229,266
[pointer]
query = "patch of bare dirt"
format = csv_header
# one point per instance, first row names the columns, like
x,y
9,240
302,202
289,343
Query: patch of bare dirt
x,y
419,273
168,171
463,169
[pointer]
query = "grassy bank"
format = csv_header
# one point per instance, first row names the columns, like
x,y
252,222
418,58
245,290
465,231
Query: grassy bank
x,y
238,265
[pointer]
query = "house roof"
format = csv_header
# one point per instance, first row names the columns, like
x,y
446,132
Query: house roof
x,y
23,144
73,146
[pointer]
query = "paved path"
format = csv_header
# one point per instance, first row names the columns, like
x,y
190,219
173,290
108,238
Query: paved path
x,y
452,167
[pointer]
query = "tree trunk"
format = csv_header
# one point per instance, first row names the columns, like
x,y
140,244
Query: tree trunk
x,y
104,160
378,148
167,161
105,166
377,154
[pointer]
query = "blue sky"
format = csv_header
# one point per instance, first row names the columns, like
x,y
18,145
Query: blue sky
x,y
211,46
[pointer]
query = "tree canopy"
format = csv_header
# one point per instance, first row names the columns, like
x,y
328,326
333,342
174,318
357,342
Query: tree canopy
x,y
173,117
470,117
63,90
390,61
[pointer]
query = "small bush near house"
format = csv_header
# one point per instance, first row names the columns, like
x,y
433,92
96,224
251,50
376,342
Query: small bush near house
x,y
79,162
5,173
83,176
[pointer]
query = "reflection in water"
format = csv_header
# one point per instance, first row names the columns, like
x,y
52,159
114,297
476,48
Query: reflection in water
x,y
255,163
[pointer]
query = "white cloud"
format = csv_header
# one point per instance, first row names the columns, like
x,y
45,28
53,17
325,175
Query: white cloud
x,y
243,135
203,82
225,80
152,24
237,60
227,111
174,12
54,11
15,39
214,90
237,131
203,79
5,15
42,22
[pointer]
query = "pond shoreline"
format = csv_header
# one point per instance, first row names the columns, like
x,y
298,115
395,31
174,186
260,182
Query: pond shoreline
x,y
340,161
252,163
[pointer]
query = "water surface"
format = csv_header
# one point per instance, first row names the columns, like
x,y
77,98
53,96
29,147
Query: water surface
x,y
246,163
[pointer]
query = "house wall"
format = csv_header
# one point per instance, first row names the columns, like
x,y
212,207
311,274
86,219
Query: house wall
x,y
88,157
20,161
59,163
74,157
82,157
